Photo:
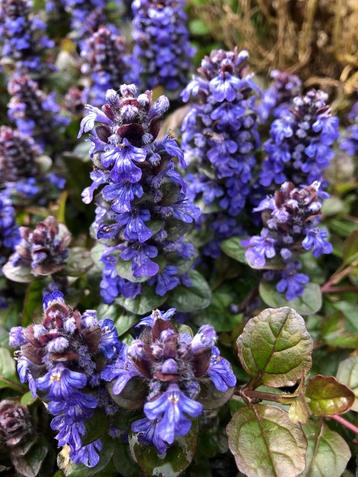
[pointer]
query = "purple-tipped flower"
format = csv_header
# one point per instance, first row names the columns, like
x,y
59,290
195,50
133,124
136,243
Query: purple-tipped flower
x,y
142,208
23,37
278,97
349,142
301,140
172,366
290,227
41,251
34,112
106,62
161,43
80,10
24,168
61,359
220,138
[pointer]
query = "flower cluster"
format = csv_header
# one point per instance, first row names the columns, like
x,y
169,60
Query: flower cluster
x,y
106,62
60,359
34,112
80,11
161,43
24,168
15,424
300,145
42,251
75,100
279,95
349,143
9,232
172,368
23,36
290,227
219,140
142,208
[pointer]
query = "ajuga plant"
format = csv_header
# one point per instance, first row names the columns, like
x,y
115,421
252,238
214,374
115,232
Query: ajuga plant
x,y
9,237
300,146
142,208
170,375
349,141
25,171
106,62
75,100
290,227
34,112
24,40
161,44
279,95
61,359
220,139
41,252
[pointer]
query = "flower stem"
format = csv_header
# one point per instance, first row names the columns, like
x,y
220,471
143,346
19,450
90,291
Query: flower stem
x,y
345,423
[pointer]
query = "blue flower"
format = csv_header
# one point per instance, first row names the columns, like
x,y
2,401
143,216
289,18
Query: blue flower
x,y
220,372
61,382
88,455
148,434
171,409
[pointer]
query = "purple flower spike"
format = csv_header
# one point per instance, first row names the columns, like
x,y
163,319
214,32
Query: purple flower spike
x,y
220,137
60,359
136,184
290,227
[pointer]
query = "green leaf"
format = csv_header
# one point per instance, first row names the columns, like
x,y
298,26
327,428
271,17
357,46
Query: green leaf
x,y
7,368
96,427
232,248
265,443
79,261
123,321
60,216
276,346
96,254
17,274
348,374
350,312
147,301
176,460
124,463
30,464
193,298
27,399
32,301
308,304
326,396
350,248
327,452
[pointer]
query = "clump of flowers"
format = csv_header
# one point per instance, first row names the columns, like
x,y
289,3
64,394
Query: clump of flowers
x,y
75,100
61,359
142,208
172,368
34,112
349,142
9,231
24,40
15,424
161,43
40,252
80,10
290,227
106,62
278,96
220,137
301,141
24,168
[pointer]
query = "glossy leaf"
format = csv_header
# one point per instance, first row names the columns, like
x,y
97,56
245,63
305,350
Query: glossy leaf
x,y
7,368
327,452
143,303
348,374
308,304
176,460
276,346
232,248
326,396
193,298
265,443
